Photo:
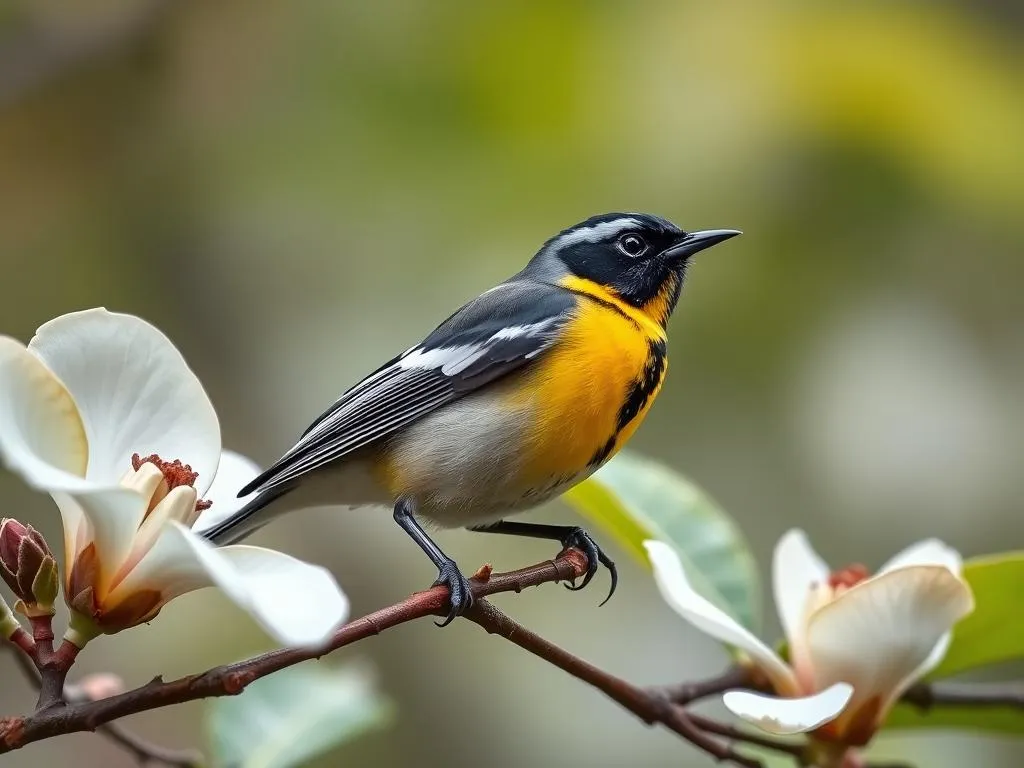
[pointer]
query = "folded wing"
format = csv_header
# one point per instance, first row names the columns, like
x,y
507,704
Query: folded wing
x,y
497,333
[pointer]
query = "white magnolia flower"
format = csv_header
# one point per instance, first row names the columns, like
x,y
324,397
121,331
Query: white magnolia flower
x,y
102,412
856,642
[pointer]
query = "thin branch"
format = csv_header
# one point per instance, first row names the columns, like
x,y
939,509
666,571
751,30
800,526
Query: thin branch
x,y
650,707
143,751
685,694
231,679
146,752
733,733
49,668
653,706
23,641
926,696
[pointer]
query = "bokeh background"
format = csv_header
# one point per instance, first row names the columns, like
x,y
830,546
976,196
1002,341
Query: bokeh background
x,y
296,191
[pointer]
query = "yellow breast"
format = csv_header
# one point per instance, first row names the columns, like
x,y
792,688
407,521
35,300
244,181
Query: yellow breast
x,y
590,393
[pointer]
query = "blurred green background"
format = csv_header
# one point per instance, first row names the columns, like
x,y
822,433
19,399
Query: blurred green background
x,y
296,191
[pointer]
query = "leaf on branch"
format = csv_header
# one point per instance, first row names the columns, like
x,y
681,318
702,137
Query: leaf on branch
x,y
294,715
1002,720
994,633
633,498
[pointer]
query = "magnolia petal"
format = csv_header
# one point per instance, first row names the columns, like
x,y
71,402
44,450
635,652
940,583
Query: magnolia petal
x,y
42,438
235,471
927,552
146,481
111,519
296,603
677,591
796,569
76,529
786,717
935,657
134,392
179,504
877,634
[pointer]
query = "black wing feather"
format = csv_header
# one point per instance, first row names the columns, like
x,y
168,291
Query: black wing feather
x,y
497,333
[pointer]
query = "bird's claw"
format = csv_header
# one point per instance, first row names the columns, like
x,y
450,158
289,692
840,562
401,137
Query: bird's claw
x,y
579,539
460,593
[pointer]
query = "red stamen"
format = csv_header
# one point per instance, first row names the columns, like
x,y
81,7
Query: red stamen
x,y
175,474
849,576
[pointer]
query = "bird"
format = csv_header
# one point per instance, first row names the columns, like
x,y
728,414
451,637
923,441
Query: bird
x,y
519,395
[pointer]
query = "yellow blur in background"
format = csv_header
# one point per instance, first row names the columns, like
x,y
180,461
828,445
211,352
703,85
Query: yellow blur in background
x,y
294,192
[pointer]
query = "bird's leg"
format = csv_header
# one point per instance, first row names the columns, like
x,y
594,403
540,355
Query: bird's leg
x,y
448,573
570,536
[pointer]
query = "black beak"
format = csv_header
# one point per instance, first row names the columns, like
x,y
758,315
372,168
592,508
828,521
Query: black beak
x,y
694,242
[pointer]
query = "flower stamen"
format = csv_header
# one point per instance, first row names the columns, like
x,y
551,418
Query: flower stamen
x,y
850,576
175,474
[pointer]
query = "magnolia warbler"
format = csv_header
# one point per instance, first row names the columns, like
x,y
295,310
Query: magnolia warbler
x,y
519,395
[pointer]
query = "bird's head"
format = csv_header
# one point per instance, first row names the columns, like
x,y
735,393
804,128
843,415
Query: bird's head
x,y
637,257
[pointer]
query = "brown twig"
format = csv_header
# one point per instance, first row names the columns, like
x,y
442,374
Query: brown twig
x,y
733,733
653,706
49,667
143,751
926,696
24,642
230,679
685,694
53,666
650,707
146,752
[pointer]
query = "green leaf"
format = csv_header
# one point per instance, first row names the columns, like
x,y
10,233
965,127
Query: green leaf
x,y
292,716
1007,721
994,632
632,499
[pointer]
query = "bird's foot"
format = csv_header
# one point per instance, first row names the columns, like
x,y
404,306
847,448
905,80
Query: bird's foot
x,y
577,538
460,593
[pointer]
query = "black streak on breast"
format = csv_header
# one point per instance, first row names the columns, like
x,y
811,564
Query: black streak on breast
x,y
646,385
637,398
603,452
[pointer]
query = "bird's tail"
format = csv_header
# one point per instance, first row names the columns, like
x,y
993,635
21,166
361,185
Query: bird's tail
x,y
246,520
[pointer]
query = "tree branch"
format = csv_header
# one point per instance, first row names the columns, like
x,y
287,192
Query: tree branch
x,y
143,751
685,694
146,752
231,679
658,705
926,696
731,732
651,707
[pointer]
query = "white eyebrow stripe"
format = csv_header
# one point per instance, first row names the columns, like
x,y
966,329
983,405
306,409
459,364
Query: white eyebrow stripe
x,y
596,233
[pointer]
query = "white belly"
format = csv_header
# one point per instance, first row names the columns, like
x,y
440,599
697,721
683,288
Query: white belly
x,y
461,463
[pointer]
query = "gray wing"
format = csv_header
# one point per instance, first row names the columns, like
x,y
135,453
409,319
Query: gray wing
x,y
499,332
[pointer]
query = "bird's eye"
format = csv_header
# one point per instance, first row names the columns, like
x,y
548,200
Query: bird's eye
x,y
632,245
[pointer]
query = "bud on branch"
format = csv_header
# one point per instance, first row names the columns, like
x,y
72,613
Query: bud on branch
x,y
29,568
